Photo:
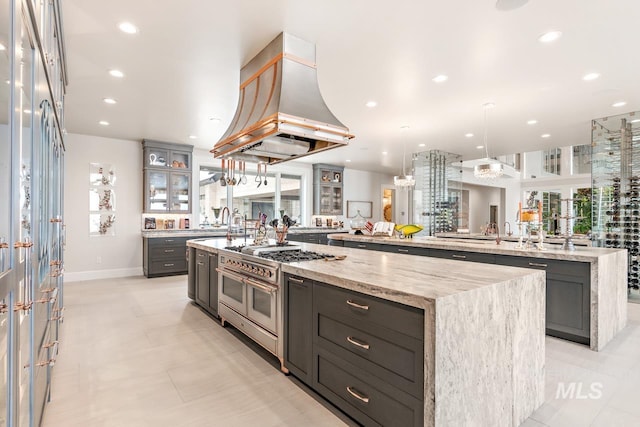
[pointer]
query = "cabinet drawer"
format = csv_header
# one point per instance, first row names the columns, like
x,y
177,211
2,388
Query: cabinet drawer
x,y
168,266
339,303
407,250
463,256
571,268
174,252
167,241
362,245
394,358
365,398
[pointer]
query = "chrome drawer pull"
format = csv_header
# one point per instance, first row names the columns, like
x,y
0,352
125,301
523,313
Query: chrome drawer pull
x,y
168,240
403,250
356,305
537,264
459,256
352,391
362,246
257,285
293,279
167,251
200,263
358,343
169,265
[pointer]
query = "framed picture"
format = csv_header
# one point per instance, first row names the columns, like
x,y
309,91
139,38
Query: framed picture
x,y
365,209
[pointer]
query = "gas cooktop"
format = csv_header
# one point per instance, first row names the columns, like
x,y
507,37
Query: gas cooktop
x,y
292,256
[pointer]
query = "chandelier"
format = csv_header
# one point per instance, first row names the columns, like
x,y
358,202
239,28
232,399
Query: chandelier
x,y
404,180
490,168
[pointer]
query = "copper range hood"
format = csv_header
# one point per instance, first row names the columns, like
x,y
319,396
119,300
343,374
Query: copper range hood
x,y
281,114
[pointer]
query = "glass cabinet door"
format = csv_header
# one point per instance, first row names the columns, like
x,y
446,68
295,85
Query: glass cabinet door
x,y
180,192
156,157
157,190
336,200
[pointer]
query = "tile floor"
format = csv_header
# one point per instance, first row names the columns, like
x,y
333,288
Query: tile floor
x,y
137,352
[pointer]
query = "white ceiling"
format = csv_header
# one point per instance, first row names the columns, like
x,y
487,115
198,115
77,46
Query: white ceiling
x,y
183,68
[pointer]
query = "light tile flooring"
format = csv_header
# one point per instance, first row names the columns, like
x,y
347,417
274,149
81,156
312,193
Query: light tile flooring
x,y
137,352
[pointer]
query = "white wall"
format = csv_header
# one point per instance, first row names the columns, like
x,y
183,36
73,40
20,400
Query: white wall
x,y
120,255
480,198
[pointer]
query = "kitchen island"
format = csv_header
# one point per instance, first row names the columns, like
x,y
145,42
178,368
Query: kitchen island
x,y
424,337
586,288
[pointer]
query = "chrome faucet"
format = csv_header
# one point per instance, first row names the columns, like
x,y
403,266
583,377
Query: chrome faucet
x,y
509,233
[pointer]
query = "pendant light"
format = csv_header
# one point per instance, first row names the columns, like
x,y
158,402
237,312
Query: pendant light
x,y
404,180
490,168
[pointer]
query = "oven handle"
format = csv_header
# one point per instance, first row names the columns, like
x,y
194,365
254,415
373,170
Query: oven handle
x,y
266,288
232,275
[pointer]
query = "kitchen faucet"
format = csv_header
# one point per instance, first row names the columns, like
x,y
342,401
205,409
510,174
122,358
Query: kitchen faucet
x,y
509,233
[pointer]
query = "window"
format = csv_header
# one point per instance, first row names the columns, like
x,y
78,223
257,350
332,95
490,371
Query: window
x,y
582,159
552,161
251,198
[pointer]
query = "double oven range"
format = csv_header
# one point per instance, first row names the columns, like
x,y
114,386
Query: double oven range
x,y
249,293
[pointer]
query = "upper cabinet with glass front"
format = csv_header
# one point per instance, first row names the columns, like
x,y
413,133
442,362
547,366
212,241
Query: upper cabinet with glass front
x,y
327,189
167,177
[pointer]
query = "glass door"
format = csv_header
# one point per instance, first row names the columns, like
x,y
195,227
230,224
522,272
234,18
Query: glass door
x,y
7,285
180,192
232,292
157,192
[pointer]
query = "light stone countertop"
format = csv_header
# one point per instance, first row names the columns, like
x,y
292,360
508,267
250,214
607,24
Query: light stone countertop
x,y
583,254
554,240
408,279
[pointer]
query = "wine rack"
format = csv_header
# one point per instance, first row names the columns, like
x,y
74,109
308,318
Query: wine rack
x,y
615,170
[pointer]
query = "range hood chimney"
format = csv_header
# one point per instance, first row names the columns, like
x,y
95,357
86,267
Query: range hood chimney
x,y
281,114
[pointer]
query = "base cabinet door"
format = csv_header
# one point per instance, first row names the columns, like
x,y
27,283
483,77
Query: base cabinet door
x,y
298,323
213,284
202,278
568,295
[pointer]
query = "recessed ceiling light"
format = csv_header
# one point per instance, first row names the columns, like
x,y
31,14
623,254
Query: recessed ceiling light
x,y
371,104
590,76
2,47
549,37
468,135
488,105
545,135
423,145
103,123
215,119
109,100
404,127
384,153
192,137
479,147
532,122
440,79
116,73
128,27
348,161
619,104
26,111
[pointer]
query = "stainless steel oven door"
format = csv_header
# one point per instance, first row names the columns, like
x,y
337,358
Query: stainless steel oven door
x,y
262,304
232,291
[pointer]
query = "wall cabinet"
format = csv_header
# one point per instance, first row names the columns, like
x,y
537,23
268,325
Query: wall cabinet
x,y
362,353
167,177
327,189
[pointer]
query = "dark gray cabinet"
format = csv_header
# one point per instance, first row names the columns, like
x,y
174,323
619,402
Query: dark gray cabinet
x,y
317,238
203,275
568,295
364,354
164,256
298,353
408,250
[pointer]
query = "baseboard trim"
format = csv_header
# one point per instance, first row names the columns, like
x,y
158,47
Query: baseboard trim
x,y
102,274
